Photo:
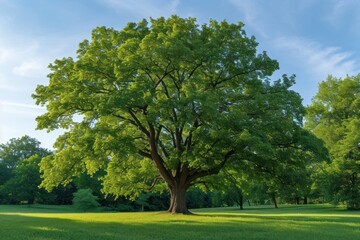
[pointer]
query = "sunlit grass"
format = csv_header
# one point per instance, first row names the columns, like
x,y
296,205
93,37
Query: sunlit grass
x,y
288,222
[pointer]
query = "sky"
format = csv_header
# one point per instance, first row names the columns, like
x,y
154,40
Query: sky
x,y
309,38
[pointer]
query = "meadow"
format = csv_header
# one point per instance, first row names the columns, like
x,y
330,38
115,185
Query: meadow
x,y
288,222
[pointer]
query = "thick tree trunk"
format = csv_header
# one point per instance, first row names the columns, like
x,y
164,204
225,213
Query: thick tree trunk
x,y
297,200
178,200
305,200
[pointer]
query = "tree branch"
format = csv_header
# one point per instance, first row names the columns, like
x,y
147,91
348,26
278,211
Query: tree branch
x,y
138,123
211,171
156,180
157,159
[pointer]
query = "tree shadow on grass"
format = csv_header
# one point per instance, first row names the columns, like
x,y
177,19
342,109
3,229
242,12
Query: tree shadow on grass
x,y
198,227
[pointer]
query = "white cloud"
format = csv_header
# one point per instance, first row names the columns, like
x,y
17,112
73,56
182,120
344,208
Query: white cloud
x,y
5,103
11,109
22,67
30,68
145,8
24,60
318,60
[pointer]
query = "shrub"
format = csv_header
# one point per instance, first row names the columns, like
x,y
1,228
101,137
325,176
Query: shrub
x,y
85,200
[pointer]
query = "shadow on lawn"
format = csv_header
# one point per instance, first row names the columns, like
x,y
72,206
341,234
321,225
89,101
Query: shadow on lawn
x,y
14,227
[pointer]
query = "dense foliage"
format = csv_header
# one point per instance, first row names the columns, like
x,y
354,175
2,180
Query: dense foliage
x,y
170,101
334,116
19,170
85,200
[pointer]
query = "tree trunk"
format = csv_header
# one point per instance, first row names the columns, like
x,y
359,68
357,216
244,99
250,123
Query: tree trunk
x,y
31,200
178,200
249,203
274,201
305,200
241,201
297,200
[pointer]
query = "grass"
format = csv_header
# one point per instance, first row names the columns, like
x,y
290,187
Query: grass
x,y
288,222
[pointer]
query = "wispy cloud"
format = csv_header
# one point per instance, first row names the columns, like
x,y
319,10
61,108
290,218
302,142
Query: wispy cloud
x,y
343,10
22,67
5,103
145,8
30,68
252,14
11,111
317,59
24,60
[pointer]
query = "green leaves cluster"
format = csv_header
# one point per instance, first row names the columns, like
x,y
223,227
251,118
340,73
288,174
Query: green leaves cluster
x,y
85,200
19,170
334,117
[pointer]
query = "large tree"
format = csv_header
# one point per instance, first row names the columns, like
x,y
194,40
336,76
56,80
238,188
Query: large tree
x,y
170,101
334,116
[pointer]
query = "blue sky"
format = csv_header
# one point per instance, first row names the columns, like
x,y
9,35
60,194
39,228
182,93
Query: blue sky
x,y
309,38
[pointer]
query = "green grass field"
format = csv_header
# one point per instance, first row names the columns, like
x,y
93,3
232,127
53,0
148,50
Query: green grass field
x,y
289,222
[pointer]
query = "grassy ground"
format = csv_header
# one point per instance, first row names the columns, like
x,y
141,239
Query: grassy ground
x,y
288,222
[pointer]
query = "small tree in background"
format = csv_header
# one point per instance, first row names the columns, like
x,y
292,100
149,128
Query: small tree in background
x,y
19,170
85,200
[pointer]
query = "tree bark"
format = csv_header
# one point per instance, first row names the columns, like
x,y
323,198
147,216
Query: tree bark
x,y
274,201
181,177
241,201
305,200
178,200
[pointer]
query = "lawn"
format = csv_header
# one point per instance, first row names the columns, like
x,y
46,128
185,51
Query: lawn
x,y
288,222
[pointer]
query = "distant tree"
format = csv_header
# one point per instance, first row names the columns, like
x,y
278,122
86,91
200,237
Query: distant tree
x,y
18,149
197,198
334,116
23,185
234,195
85,200
20,174
63,195
172,100
5,173
294,151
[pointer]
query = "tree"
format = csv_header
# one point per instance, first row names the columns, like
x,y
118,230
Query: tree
x,y
85,200
334,117
170,101
23,186
18,149
285,170
19,170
